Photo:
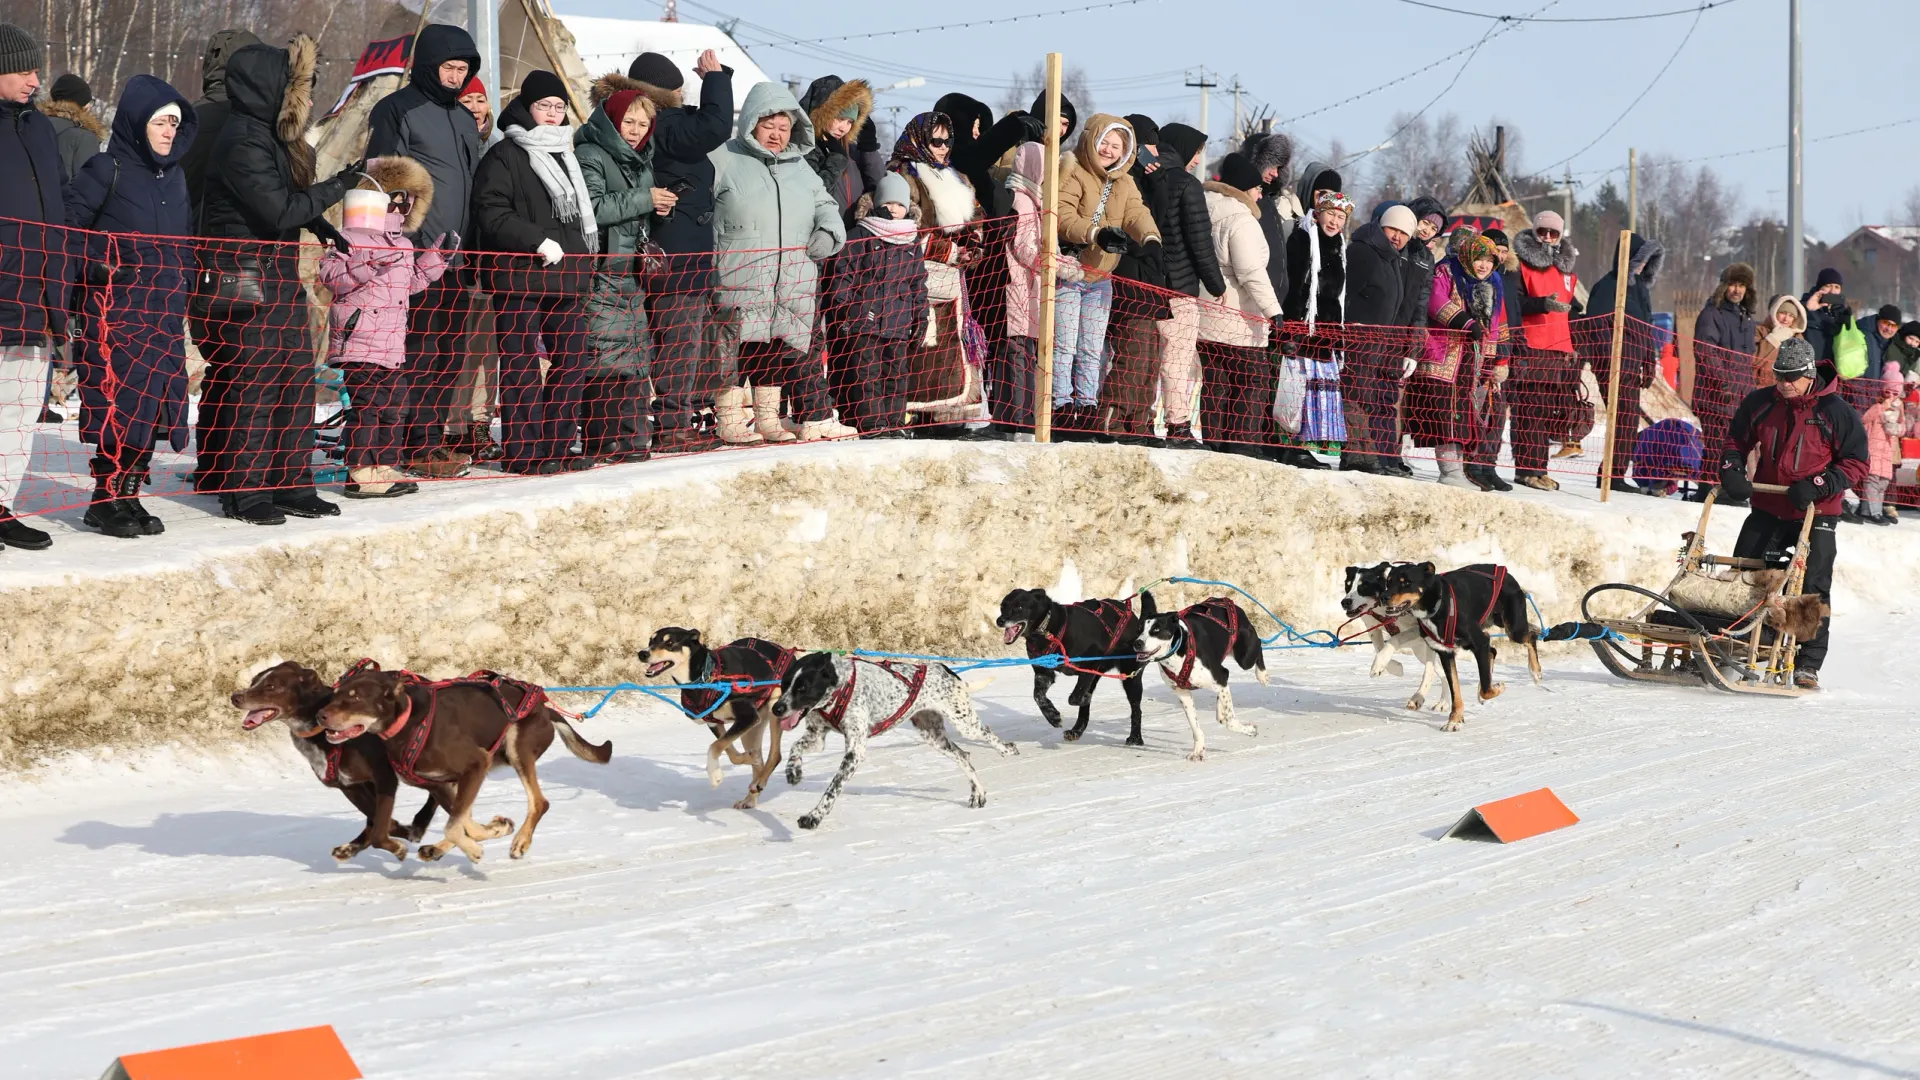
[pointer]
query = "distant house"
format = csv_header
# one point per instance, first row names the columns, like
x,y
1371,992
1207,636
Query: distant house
x,y
1881,264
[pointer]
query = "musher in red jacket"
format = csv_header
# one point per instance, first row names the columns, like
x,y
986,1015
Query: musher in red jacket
x,y
1812,443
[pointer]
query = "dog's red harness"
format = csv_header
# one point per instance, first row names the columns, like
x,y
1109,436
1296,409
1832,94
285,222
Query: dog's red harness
x,y
1499,579
1112,615
1218,610
531,699
701,703
834,712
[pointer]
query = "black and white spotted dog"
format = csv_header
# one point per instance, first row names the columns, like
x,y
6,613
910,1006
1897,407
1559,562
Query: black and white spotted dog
x,y
1366,599
863,698
1192,647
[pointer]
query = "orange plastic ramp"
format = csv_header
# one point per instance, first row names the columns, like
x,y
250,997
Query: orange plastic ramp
x,y
313,1053
1513,819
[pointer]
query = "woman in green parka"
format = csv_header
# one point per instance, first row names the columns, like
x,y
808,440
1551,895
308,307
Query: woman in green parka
x,y
617,161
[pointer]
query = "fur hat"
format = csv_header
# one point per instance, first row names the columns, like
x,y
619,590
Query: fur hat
x,y
1426,206
1827,276
1547,219
1273,151
893,189
1237,172
1794,360
656,70
399,173
1399,217
1737,274
613,82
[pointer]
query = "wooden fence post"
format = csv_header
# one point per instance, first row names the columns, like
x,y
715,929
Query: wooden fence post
x,y
1049,253
1613,371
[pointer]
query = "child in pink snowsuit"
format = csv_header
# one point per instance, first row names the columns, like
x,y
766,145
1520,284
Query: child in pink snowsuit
x,y
371,288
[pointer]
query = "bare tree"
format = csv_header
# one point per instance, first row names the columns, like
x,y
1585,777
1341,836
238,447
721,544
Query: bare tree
x,y
1908,212
1031,84
1689,212
1428,157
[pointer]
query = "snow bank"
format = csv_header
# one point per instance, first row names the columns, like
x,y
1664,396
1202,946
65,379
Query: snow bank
x,y
891,546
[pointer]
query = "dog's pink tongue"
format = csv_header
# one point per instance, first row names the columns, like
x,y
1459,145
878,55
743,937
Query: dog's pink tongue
x,y
256,718
1013,633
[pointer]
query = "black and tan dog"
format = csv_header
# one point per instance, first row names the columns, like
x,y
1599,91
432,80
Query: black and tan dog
x,y
1099,632
443,736
1455,609
741,719
358,768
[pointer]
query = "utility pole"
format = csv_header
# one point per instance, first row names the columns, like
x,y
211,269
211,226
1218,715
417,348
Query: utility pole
x,y
1566,194
1796,209
1633,190
1236,107
483,22
1205,87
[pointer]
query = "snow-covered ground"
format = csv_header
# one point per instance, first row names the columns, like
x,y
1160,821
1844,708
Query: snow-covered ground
x,y
1736,900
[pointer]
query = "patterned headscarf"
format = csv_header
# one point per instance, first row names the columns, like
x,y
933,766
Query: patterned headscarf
x,y
1333,200
912,148
1479,247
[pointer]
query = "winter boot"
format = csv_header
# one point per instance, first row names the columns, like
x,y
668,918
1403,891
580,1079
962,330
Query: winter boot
x,y
1452,473
1181,437
766,415
135,476
368,482
813,430
106,511
730,418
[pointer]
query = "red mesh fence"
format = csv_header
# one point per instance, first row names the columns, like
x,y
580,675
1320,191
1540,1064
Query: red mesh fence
x,y
225,367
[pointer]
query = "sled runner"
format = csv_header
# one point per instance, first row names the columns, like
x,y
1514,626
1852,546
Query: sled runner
x,y
1724,621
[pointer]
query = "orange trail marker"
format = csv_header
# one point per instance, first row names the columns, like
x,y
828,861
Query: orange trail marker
x,y
306,1054
1513,819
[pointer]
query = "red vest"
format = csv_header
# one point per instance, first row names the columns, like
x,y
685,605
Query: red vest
x,y
1548,330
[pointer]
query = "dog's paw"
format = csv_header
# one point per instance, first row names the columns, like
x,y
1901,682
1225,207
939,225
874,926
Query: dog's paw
x,y
713,777
1493,691
501,821
1453,723
348,851
519,849
1072,735
978,800
1052,718
1007,749
431,852
793,775
397,849
809,821
1199,754
747,803
1135,740
1415,702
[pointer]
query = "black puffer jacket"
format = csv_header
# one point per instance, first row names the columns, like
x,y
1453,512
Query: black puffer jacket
x,y
1376,279
33,274
212,108
512,212
1178,202
260,183
683,136
426,122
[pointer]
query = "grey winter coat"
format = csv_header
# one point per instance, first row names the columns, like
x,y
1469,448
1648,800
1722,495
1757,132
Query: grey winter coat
x,y
426,122
772,220
621,182
77,132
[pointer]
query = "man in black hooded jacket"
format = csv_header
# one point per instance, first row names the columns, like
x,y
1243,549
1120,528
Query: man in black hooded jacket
x,y
212,108
425,121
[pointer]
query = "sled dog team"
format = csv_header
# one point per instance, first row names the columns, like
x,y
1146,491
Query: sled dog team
x,y
373,730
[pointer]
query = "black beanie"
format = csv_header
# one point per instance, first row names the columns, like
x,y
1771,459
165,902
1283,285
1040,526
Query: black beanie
x,y
1828,276
539,85
71,87
1890,313
656,70
19,51
1237,171
1145,131
1498,236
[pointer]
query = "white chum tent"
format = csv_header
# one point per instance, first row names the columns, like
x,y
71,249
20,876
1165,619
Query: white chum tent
x,y
609,44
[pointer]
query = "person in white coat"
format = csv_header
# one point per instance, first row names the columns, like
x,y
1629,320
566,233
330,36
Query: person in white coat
x,y
1237,381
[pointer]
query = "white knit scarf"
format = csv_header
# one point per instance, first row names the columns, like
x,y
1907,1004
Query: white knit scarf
x,y
565,185
1312,224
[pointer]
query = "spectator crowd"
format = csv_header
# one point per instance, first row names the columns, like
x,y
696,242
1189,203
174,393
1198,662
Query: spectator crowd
x,y
759,268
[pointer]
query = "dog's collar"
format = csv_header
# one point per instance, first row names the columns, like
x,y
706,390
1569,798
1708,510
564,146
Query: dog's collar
x,y
1177,645
405,715
706,670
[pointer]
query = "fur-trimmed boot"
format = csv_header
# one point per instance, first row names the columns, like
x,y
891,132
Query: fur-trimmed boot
x,y
106,511
766,415
730,422
1452,472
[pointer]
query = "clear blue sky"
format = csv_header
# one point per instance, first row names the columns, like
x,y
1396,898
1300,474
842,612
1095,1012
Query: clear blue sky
x,y
1559,84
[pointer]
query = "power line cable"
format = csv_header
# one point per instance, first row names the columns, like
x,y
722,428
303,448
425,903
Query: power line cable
x,y
1655,81
967,25
1569,19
